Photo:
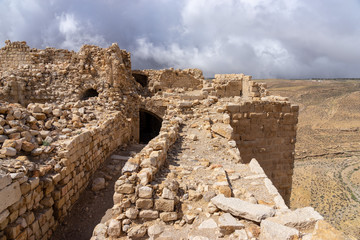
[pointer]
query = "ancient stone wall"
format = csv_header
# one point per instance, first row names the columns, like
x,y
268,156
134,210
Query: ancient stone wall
x,y
50,75
170,79
228,85
267,131
34,199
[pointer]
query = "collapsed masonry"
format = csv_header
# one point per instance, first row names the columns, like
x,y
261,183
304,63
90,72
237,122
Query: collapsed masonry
x,y
63,113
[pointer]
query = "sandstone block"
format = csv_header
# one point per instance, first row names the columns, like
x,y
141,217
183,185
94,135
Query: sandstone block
x,y
9,195
240,208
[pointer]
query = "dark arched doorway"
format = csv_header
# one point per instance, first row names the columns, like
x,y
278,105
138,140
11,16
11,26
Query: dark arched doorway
x,y
150,126
140,78
89,93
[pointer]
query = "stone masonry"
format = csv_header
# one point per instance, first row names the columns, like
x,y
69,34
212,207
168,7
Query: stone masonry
x,y
62,113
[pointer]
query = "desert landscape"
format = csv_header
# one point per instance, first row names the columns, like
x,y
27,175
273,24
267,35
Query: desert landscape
x,y
327,167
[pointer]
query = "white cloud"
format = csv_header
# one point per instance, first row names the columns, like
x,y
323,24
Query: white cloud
x,y
265,38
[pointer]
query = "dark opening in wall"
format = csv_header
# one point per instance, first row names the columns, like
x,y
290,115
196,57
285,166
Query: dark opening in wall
x,y
150,125
140,78
89,93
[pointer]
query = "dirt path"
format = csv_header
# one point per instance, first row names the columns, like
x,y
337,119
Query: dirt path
x,y
92,205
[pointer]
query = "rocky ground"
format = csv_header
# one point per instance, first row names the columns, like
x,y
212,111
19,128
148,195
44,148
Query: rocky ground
x,y
326,174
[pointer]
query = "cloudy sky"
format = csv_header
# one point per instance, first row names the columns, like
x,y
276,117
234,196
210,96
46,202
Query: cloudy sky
x,y
262,38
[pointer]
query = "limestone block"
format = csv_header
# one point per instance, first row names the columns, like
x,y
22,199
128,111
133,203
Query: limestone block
x,y
100,230
164,205
125,188
149,214
301,218
9,195
137,232
114,229
5,180
132,213
145,192
228,224
271,230
209,223
224,130
144,203
168,216
240,208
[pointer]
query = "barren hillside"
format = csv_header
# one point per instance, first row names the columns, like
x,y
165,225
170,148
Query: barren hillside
x,y
327,167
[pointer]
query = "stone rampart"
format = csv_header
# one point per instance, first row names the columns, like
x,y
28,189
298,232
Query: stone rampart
x,y
267,131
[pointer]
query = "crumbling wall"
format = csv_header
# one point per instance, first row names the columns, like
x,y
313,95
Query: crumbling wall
x,y
228,85
170,79
34,198
50,75
267,131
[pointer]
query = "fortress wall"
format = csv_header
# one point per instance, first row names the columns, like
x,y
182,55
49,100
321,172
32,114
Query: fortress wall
x,y
267,131
134,192
32,207
50,75
162,80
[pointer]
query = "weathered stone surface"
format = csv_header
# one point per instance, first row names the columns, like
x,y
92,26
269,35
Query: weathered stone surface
x,y
168,216
126,188
229,224
114,229
100,230
155,230
144,203
301,218
209,223
271,230
240,208
145,192
131,213
164,205
9,195
5,180
223,129
137,231
149,214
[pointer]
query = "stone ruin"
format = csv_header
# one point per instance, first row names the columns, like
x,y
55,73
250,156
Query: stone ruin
x,y
218,160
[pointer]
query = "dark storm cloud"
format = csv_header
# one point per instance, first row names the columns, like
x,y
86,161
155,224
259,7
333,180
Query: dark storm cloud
x,y
264,38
